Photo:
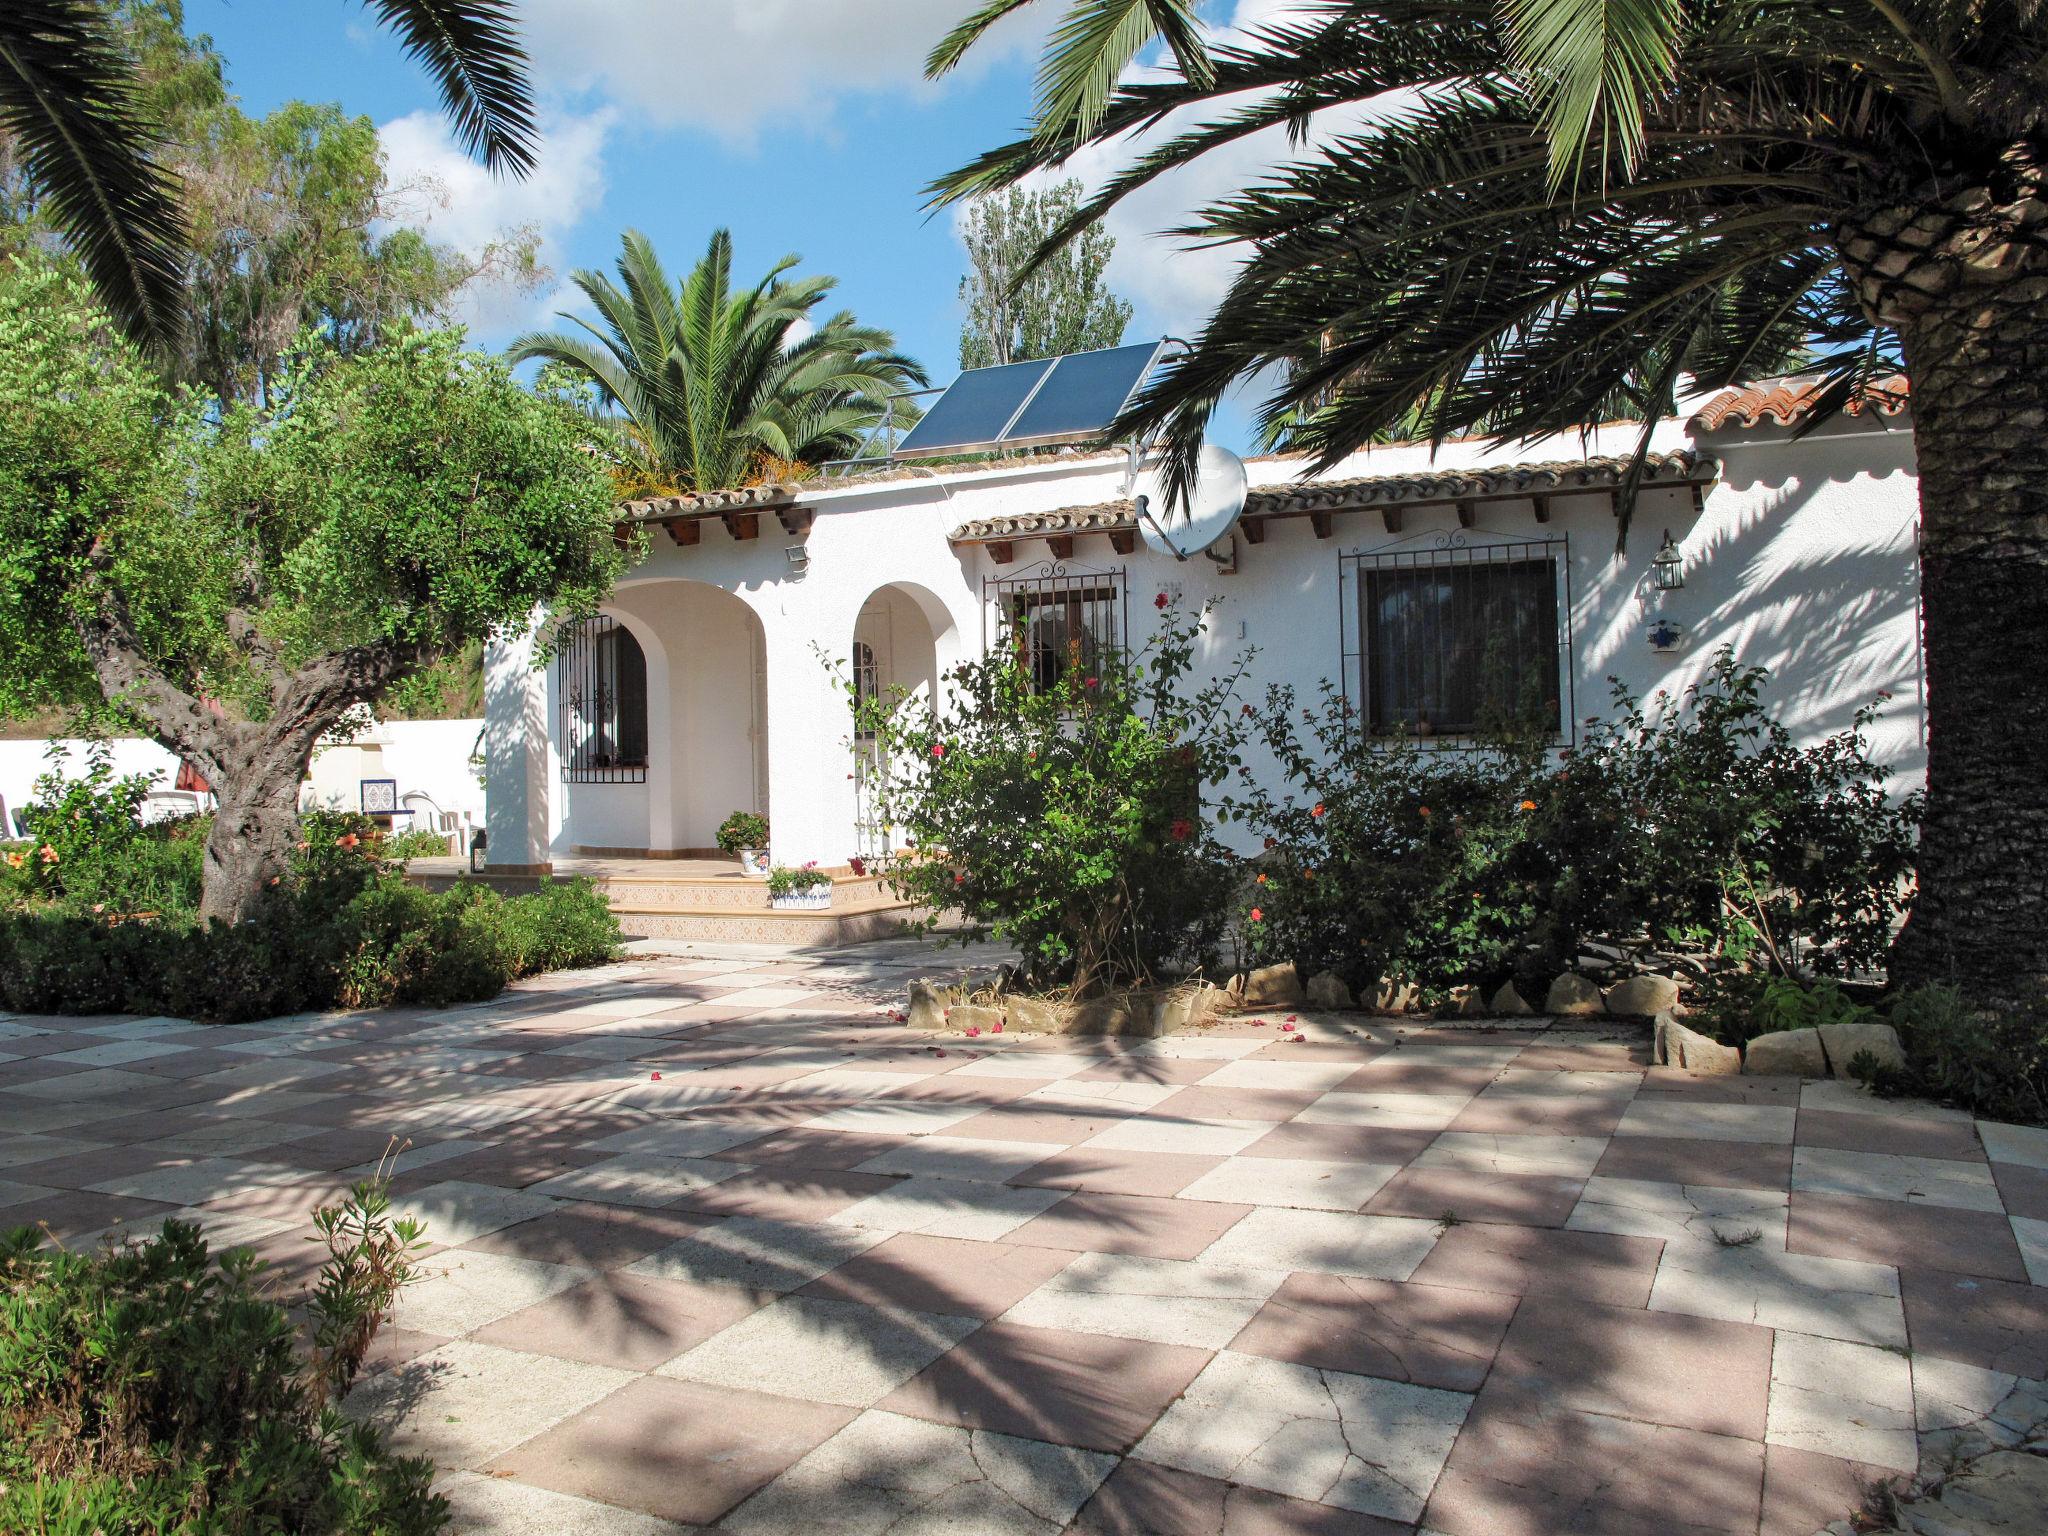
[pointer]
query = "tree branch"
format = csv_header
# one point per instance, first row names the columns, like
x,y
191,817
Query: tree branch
x,y
127,676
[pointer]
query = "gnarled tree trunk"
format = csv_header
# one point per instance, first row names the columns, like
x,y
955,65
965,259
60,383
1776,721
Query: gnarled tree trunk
x,y
255,826
1963,276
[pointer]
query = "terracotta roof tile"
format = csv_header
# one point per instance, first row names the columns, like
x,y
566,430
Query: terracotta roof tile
x,y
1788,402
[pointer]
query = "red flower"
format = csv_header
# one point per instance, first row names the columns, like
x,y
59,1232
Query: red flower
x,y
654,1077
1269,842
938,749
1161,600
1422,810
959,879
1091,682
1318,811
1258,916
1180,829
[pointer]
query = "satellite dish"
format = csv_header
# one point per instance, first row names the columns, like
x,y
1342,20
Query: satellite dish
x,y
1212,508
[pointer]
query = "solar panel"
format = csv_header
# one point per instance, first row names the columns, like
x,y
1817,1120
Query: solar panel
x,y
1087,391
976,409
1021,405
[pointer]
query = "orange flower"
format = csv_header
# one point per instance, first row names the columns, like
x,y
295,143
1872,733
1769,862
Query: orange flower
x,y
1318,811
1528,805
1308,874
1422,810
15,861
1258,916
1262,878
49,854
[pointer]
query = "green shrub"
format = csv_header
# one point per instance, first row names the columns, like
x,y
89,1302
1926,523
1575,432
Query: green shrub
x,y
565,925
1700,826
1994,1063
1063,813
88,846
416,843
1734,1006
743,829
154,1389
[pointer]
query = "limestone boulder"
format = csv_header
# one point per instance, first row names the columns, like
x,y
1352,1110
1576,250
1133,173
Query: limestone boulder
x,y
1845,1042
1467,1002
1273,986
1788,1053
1034,1015
974,1016
1642,997
1327,990
1574,994
1508,1001
928,1001
1393,997
1691,1051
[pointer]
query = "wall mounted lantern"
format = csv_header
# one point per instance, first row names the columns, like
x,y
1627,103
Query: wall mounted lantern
x,y
1667,570
799,561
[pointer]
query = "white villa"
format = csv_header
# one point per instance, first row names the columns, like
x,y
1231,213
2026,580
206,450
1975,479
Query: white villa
x,y
703,687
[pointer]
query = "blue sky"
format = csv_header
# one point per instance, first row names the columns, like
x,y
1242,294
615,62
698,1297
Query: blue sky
x,y
802,125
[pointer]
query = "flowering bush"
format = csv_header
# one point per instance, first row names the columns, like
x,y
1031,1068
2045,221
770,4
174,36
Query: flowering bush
x,y
783,880
1065,815
743,829
87,843
1697,826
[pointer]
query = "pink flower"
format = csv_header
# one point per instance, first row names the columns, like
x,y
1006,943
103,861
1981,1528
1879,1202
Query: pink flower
x,y
49,854
938,1053
1258,916
938,749
1292,1017
973,1030
654,1077
1286,1029
1299,1039
1161,600
996,1028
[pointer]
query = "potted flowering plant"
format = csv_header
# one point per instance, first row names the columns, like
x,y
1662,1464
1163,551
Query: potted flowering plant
x,y
746,834
808,889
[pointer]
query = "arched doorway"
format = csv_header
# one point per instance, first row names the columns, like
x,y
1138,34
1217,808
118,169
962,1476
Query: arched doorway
x,y
898,638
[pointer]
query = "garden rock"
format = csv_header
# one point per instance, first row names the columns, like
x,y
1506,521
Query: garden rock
x,y
1273,986
1845,1042
1393,997
1574,994
975,1016
1467,1003
927,1006
1789,1052
1035,1015
1692,1051
1112,1016
1642,996
1327,990
1508,1001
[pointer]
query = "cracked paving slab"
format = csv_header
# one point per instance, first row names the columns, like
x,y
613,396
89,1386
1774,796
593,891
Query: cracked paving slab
x,y
1850,1401
888,1475
1356,1442
1682,1213
1833,1298
1162,1301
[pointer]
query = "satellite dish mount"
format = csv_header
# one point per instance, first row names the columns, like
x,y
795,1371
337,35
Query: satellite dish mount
x,y
1213,505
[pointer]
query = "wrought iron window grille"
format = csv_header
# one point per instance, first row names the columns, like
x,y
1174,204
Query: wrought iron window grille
x,y
1061,618
602,725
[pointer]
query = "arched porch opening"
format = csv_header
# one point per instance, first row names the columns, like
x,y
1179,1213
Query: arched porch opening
x,y
901,636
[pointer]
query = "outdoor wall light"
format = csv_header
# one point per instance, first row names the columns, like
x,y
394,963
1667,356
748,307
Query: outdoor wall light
x,y
1667,570
479,840
799,561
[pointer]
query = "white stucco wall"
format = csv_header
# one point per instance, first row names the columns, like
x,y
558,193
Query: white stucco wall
x,y
1803,557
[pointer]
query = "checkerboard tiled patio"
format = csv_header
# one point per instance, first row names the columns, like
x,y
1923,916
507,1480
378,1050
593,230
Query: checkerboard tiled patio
x,y
718,1246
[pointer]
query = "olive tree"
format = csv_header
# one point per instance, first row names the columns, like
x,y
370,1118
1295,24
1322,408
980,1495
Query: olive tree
x,y
233,581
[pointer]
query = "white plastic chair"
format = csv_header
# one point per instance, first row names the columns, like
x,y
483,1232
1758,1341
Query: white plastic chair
x,y
165,804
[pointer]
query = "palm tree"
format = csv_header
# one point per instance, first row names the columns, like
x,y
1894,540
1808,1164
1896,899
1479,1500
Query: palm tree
x,y
1536,206
715,386
69,93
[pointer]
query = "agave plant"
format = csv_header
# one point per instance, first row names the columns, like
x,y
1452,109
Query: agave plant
x,y
1521,212
716,387
69,94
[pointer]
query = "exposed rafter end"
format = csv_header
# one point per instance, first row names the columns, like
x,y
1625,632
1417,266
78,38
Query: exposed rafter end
x,y
1000,551
685,530
743,525
1123,540
1254,530
1468,514
1542,505
1321,520
1391,516
796,521
1062,546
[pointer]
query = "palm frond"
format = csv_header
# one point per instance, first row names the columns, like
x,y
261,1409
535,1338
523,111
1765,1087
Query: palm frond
x,y
1592,65
472,49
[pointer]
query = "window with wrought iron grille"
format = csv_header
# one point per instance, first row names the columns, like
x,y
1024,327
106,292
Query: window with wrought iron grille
x,y
603,719
1061,619
1448,637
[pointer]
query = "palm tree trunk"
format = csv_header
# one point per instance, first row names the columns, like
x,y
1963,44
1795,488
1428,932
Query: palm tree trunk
x,y
1977,355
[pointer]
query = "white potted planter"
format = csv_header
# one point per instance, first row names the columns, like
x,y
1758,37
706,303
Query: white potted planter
x,y
808,889
754,861
744,835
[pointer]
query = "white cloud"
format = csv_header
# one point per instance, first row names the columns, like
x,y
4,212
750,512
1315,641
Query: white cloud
x,y
732,66
436,187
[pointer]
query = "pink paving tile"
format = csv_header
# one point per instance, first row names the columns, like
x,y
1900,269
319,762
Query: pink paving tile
x,y
673,1448
1395,1073
1234,1103
590,1234
801,1147
1020,1122
1079,1389
78,1169
1670,1082
1804,1491
1141,1225
507,1166
1431,1335
1518,1199
1340,1143
625,1321
2024,1190
1682,1160
1623,1362
1853,1131
1147,1069
1901,1232
1109,1172
784,1194
325,1151
1519,1469
1997,1324
948,1276
1142,1499
75,1211
1538,1261
1587,1056
394,1346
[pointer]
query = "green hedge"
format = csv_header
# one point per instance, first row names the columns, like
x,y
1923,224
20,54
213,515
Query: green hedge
x,y
153,1389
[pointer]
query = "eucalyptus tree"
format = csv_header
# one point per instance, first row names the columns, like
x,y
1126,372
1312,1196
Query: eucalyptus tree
x,y
715,386
1519,211
75,107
